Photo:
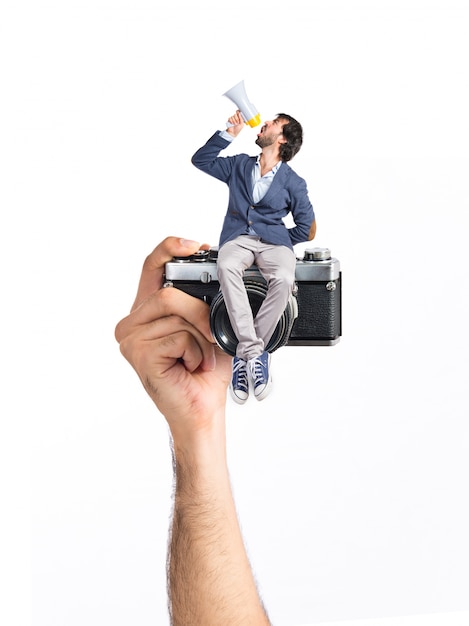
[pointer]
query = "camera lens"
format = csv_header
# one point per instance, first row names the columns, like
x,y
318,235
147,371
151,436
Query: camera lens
x,y
222,330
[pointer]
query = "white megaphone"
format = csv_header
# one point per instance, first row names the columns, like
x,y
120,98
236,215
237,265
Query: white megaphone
x,y
237,94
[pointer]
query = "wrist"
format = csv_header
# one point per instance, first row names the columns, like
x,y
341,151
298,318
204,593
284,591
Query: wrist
x,y
226,134
201,470
201,442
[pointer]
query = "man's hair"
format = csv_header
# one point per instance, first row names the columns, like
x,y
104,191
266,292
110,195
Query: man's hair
x,y
293,133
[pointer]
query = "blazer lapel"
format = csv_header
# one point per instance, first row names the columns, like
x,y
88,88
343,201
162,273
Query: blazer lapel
x,y
250,164
277,183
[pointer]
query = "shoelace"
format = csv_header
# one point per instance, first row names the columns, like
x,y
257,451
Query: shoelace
x,y
257,369
240,369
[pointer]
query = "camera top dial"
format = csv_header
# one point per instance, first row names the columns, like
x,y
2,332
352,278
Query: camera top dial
x,y
200,255
317,254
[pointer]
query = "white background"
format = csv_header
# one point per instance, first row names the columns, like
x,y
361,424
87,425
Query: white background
x,y
351,478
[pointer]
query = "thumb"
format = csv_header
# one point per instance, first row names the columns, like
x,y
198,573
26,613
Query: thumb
x,y
151,278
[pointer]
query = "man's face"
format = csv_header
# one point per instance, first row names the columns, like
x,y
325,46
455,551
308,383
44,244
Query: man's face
x,y
270,133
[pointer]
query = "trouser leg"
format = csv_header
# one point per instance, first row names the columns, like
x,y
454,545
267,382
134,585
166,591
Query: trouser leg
x,y
233,258
277,264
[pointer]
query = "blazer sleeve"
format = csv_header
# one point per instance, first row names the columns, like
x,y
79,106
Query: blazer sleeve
x,y
206,158
302,212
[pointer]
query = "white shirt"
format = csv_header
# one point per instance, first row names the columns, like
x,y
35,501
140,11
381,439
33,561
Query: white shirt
x,y
261,184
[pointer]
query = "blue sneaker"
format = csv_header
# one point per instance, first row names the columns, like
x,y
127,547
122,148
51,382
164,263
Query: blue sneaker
x,y
239,387
259,367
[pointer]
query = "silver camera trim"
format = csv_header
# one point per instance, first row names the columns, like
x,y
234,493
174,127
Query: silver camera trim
x,y
321,268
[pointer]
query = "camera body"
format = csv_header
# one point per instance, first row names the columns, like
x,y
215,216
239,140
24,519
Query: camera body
x,y
312,317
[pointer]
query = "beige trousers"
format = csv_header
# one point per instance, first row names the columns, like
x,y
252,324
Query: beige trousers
x,y
277,265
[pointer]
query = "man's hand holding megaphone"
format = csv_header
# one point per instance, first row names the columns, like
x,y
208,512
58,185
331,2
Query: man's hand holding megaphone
x,y
235,124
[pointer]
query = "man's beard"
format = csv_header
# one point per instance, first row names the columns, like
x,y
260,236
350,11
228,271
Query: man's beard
x,y
263,141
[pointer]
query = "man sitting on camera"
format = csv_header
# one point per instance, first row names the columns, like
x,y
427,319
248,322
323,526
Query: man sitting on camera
x,y
263,189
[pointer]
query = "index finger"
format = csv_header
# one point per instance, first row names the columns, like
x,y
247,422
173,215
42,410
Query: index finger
x,y
151,278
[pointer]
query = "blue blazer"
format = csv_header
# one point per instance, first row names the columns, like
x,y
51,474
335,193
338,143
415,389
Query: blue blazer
x,y
287,194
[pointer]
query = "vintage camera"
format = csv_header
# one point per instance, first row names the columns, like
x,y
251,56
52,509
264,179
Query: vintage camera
x,y
312,317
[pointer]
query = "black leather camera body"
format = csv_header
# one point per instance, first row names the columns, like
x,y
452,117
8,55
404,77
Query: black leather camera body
x,y
312,317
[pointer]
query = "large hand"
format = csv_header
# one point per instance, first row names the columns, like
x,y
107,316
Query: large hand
x,y
167,340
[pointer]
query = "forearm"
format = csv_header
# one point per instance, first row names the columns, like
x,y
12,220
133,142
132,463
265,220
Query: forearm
x,y
301,233
210,578
207,160
303,215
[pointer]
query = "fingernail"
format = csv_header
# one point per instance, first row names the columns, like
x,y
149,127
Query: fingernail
x,y
188,243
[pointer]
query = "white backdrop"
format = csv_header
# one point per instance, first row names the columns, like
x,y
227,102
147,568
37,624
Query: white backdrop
x,y
351,478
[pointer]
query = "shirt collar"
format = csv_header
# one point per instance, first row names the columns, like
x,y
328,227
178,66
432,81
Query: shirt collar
x,y
273,170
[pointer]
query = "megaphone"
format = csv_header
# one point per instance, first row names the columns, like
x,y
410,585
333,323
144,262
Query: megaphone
x,y
237,94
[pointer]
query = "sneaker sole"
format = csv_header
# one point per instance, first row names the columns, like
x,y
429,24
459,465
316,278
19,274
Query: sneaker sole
x,y
236,398
265,392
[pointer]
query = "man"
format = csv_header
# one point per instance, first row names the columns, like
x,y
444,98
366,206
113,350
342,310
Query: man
x,y
167,339
262,191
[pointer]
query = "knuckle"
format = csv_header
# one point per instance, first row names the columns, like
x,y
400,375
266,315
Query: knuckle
x,y
167,298
118,331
